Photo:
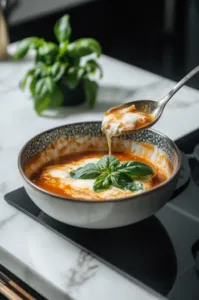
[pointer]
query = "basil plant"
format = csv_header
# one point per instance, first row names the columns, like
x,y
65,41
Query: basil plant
x,y
58,63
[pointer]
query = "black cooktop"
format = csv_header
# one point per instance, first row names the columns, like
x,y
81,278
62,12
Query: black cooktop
x,y
161,251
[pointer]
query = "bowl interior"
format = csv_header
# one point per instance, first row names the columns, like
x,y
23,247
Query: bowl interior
x,y
81,137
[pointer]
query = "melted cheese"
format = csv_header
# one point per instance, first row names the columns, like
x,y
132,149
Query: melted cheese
x,y
120,119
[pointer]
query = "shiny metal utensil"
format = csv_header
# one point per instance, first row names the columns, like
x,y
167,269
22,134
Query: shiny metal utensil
x,y
155,108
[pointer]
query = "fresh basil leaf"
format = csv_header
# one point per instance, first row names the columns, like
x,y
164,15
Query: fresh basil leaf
x,y
108,162
135,186
23,82
33,85
41,103
58,70
89,171
55,68
41,70
48,48
92,66
63,48
124,182
47,53
22,49
84,46
25,45
57,97
90,89
43,86
73,61
40,87
103,182
135,168
120,180
49,84
62,29
74,75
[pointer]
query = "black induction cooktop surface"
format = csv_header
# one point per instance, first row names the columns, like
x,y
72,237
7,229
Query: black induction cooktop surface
x,y
161,251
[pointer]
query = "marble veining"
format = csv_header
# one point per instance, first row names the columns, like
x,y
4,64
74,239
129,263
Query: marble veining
x,y
3,187
47,262
6,220
85,268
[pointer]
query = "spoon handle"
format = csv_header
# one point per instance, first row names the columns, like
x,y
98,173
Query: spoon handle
x,y
166,98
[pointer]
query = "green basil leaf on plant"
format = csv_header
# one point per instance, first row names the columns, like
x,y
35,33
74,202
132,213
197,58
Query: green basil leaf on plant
x,y
108,162
33,85
84,46
41,70
103,182
57,96
90,89
135,168
55,68
89,171
25,45
74,75
62,29
41,103
47,53
43,86
23,82
22,49
49,83
73,61
63,46
58,70
48,48
92,66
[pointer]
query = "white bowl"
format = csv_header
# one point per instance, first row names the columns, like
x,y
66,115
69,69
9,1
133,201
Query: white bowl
x,y
80,137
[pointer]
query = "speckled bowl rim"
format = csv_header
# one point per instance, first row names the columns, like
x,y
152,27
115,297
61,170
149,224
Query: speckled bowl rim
x,y
129,198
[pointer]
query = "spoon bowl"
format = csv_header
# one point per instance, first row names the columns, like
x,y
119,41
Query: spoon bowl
x,y
150,107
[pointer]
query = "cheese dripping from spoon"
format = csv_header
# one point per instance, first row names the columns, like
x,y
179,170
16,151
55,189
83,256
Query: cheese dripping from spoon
x,y
121,119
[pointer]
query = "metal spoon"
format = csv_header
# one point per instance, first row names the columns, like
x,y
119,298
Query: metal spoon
x,y
155,108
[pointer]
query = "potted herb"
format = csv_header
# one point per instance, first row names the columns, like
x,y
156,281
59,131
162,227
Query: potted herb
x,y
60,76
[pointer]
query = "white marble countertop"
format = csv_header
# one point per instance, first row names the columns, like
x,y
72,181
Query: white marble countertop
x,y
45,261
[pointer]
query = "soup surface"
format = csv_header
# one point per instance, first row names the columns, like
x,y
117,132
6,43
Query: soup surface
x,y
56,177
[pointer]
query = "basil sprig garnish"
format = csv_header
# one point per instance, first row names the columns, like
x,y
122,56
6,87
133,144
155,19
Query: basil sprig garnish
x,y
109,171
